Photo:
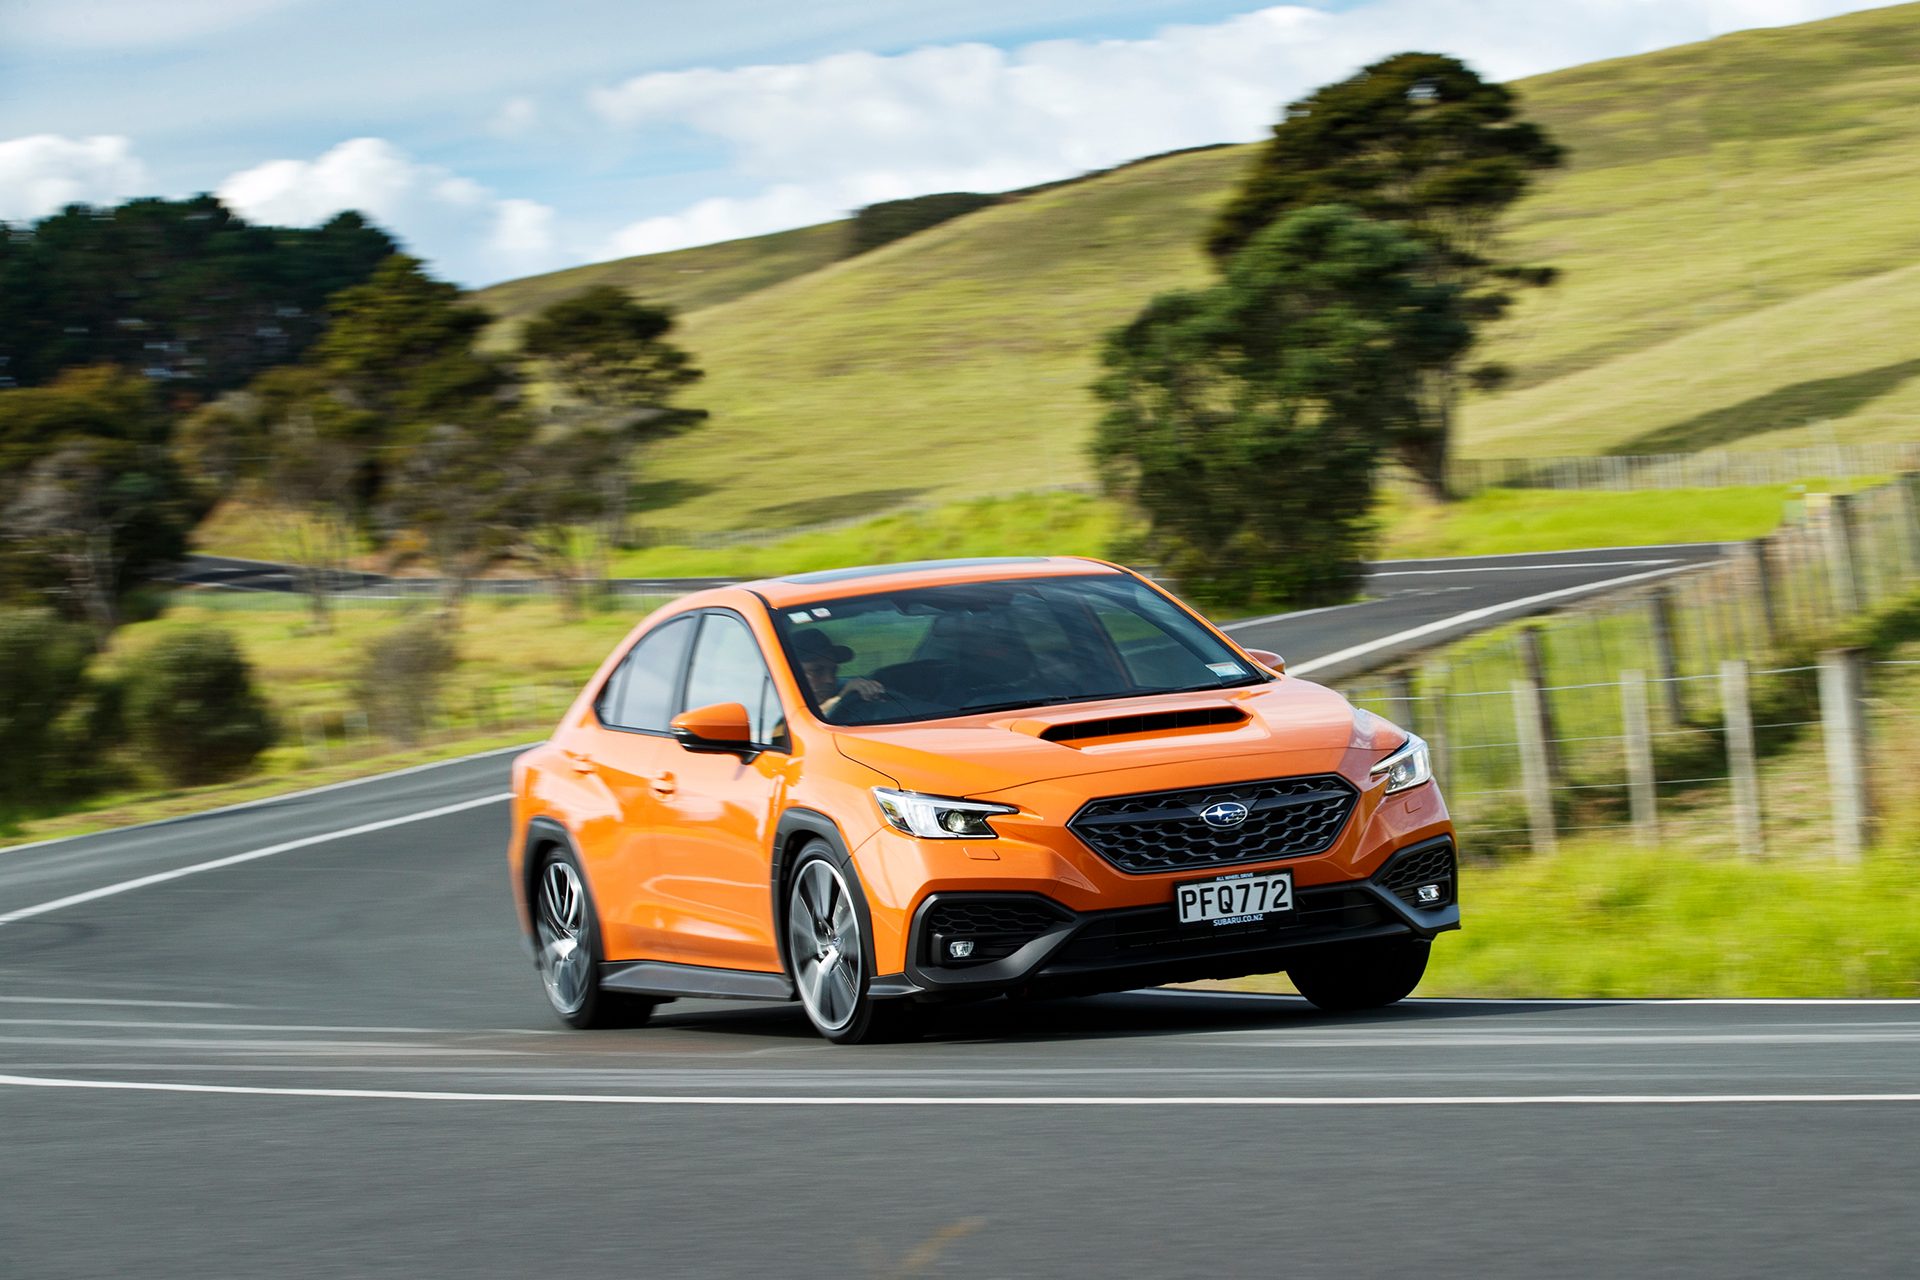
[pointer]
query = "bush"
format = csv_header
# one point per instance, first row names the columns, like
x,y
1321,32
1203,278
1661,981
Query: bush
x,y
398,683
192,708
43,664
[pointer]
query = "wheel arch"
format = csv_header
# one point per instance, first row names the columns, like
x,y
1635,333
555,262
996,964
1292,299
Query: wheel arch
x,y
791,834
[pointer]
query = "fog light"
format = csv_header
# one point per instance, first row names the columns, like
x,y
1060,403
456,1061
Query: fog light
x,y
1428,893
960,949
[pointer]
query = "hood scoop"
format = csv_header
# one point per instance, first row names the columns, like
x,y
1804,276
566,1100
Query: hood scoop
x,y
1168,723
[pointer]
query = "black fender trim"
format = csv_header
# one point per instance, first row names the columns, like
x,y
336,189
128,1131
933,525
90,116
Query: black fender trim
x,y
795,827
541,832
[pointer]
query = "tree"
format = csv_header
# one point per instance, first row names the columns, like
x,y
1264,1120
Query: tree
x,y
1246,420
614,375
43,664
1420,140
90,498
449,425
183,290
309,455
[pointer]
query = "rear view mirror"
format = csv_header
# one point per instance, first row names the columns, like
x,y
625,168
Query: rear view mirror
x,y
723,726
1268,658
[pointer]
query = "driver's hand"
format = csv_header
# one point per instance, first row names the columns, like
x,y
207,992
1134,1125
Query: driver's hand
x,y
862,687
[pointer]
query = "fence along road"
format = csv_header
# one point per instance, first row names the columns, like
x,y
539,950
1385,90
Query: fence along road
x,y
303,1036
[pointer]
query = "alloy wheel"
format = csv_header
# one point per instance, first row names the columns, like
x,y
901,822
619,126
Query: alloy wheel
x,y
560,927
823,942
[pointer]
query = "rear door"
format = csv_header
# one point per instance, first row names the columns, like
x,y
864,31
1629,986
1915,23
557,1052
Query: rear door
x,y
631,752
713,830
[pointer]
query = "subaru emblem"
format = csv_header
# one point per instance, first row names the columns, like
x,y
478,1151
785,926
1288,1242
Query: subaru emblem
x,y
1224,813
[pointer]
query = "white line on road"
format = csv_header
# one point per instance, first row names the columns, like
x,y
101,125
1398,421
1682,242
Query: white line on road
x,y
274,799
1476,615
161,877
1521,568
977,1100
145,1004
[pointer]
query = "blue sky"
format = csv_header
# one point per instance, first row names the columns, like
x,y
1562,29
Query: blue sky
x,y
499,137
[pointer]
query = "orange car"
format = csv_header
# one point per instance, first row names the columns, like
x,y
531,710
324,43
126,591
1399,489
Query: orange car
x,y
873,789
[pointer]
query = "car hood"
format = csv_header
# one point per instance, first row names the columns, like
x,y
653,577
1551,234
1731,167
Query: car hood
x,y
979,755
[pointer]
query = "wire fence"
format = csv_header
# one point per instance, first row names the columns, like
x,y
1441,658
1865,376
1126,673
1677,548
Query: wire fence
x,y
1723,705
1466,476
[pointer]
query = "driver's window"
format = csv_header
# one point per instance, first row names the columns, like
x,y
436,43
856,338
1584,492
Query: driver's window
x,y
727,667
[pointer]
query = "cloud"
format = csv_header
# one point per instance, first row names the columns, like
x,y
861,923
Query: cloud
x,y
515,119
470,234
42,174
823,136
727,218
117,24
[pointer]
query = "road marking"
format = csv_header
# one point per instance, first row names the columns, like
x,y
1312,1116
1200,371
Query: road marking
x,y
1497,1001
1476,615
978,1100
275,799
1523,568
144,1004
1572,551
127,886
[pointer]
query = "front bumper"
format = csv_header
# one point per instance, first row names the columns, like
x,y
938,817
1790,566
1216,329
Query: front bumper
x,y
1076,953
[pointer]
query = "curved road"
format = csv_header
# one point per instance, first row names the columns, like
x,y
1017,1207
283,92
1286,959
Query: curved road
x,y
302,1038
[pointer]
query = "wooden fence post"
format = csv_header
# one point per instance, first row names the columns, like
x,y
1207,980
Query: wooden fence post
x,y
1910,518
1636,737
1842,724
1535,660
1433,724
1666,665
1742,761
1534,778
1758,555
1842,577
1400,696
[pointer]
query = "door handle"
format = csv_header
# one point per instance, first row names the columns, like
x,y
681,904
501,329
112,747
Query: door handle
x,y
578,763
663,785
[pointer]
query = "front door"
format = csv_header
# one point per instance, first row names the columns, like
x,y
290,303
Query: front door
x,y
713,824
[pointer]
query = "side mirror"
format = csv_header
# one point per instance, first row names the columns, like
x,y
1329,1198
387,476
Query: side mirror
x,y
1269,659
724,726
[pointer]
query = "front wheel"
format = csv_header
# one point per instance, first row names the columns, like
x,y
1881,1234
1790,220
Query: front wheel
x,y
828,955
1360,975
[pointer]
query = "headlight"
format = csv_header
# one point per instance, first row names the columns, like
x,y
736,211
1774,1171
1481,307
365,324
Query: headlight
x,y
938,817
1407,767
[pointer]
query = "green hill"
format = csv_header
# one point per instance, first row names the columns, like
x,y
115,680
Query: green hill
x,y
1735,230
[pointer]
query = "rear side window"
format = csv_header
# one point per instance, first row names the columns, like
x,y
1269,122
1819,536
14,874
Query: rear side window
x,y
639,694
728,667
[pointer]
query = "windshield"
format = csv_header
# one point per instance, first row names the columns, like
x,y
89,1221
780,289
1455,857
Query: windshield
x,y
992,646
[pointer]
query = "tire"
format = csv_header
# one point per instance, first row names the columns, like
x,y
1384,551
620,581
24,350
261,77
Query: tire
x,y
826,936
1361,975
566,936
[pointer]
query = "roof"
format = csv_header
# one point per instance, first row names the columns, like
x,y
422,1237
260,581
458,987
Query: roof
x,y
833,584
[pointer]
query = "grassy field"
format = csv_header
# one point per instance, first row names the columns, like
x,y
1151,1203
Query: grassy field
x,y
1734,231
521,662
1490,523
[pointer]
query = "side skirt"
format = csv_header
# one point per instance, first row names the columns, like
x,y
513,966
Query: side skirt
x,y
658,978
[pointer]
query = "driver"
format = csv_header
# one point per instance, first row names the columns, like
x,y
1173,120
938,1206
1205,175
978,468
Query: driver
x,y
820,660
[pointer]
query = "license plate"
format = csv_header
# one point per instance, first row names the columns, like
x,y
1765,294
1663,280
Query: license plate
x,y
1234,899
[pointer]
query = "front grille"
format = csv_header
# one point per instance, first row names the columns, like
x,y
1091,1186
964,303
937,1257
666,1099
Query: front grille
x,y
1431,865
997,926
1163,830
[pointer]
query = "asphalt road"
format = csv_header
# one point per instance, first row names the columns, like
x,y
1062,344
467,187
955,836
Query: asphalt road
x,y
303,1038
